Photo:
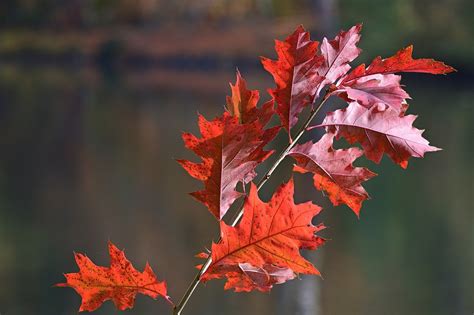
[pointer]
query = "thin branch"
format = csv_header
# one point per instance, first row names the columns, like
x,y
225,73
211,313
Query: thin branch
x,y
189,292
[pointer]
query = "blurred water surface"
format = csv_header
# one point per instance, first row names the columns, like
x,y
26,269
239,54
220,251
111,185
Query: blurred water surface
x,y
88,148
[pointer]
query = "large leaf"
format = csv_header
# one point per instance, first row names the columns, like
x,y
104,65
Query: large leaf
x,y
333,171
266,241
230,151
120,282
379,130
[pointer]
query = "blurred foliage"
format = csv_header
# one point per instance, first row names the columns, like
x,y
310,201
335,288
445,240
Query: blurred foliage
x,y
443,27
389,25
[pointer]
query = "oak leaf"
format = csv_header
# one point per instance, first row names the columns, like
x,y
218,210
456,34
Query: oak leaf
x,y
230,152
263,249
374,89
296,75
378,84
379,130
120,282
243,103
333,171
402,61
338,53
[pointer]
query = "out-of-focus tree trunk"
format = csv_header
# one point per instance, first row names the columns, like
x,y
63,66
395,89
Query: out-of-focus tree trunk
x,y
327,13
303,297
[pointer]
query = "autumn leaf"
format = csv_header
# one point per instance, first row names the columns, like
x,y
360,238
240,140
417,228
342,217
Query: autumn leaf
x,y
402,61
120,282
378,84
333,171
374,89
245,277
230,151
263,249
338,53
243,103
379,130
296,75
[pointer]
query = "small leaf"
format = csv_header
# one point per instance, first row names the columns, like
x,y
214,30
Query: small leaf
x,y
120,282
402,61
374,89
247,277
333,171
377,83
338,53
243,103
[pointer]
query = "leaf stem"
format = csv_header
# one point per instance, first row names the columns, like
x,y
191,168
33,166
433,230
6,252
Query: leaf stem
x,y
193,285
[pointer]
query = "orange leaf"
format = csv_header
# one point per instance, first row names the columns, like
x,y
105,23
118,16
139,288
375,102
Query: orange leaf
x,y
264,248
243,103
230,152
120,282
402,61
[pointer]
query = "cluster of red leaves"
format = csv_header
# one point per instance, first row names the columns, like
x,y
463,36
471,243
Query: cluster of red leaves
x,y
264,248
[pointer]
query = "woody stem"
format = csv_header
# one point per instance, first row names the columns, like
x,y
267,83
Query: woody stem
x,y
193,285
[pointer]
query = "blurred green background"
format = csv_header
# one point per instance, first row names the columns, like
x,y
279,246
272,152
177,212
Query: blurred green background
x,y
95,93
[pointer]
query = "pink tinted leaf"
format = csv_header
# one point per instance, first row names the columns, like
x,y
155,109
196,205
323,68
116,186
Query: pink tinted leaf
x,y
333,171
379,130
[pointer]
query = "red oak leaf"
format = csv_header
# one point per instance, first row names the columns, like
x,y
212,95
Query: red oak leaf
x,y
377,83
295,74
120,282
379,130
333,171
243,103
374,89
230,151
338,53
270,235
402,61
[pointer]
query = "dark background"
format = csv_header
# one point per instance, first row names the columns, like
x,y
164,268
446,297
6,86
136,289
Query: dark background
x,y
95,93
